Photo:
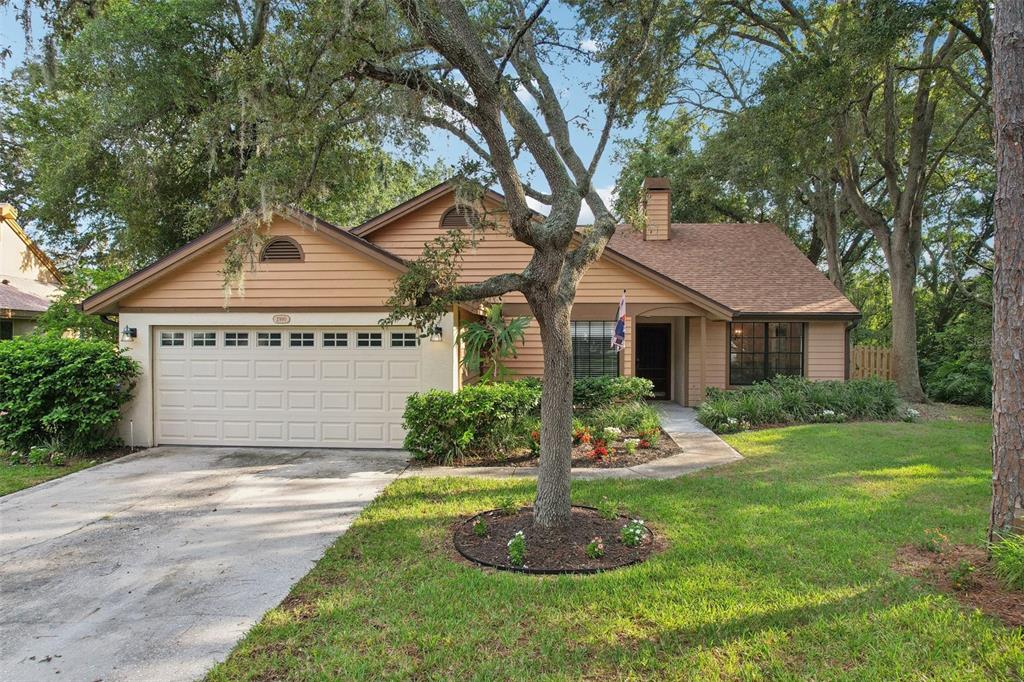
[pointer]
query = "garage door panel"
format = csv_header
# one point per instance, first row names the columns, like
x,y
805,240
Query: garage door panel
x,y
309,395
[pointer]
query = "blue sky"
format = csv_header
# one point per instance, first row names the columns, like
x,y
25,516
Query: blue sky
x,y
571,83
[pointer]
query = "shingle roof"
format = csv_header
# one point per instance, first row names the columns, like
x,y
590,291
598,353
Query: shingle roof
x,y
14,299
752,268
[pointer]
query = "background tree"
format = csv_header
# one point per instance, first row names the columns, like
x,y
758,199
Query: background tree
x,y
1008,327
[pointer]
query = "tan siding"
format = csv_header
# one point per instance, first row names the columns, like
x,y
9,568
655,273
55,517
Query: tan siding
x,y
715,358
826,350
331,275
529,362
658,209
498,252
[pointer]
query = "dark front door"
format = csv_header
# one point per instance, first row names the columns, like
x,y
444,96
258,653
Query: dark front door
x,y
654,356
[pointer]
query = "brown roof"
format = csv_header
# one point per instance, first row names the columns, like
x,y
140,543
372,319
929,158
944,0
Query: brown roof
x,y
752,268
15,299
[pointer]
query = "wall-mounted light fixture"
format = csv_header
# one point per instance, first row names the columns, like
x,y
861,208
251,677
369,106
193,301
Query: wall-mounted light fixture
x,y
436,334
129,333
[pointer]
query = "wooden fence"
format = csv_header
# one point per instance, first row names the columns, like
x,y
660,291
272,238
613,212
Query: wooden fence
x,y
871,361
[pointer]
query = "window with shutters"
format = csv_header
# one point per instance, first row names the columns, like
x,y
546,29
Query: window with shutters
x,y
280,250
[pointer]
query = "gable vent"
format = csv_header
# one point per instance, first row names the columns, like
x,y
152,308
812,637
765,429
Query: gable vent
x,y
281,249
459,216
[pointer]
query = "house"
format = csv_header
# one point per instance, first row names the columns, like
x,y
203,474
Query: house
x,y
299,359
28,278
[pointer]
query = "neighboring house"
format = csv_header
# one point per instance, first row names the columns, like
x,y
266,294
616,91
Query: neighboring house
x,y
28,278
299,359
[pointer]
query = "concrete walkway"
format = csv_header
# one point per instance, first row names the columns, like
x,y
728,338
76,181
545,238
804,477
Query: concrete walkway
x,y
701,449
152,566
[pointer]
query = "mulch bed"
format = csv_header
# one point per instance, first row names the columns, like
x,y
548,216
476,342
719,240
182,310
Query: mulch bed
x,y
984,591
551,551
583,456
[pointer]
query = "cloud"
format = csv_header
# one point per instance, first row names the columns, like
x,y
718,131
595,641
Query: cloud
x,y
524,95
608,195
589,45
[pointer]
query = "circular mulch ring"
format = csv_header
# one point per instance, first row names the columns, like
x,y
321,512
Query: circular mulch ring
x,y
550,551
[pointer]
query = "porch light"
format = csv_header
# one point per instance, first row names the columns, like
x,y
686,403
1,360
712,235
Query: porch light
x,y
436,334
129,333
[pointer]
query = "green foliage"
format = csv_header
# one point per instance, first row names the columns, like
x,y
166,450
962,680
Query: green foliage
x,y
595,548
593,392
480,527
64,314
608,509
961,576
62,391
787,400
491,341
632,416
445,427
1008,558
632,534
517,549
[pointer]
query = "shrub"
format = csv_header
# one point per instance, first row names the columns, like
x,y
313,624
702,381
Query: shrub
x,y
595,548
64,392
594,392
632,533
787,400
963,382
961,576
517,549
1008,555
486,418
631,416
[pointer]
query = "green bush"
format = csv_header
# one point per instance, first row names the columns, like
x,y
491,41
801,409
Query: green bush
x,y
964,383
443,427
789,400
1008,555
634,416
595,392
65,392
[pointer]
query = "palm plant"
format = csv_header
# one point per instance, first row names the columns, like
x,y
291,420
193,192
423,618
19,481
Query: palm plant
x,y
490,341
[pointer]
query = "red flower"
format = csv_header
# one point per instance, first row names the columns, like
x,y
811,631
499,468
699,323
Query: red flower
x,y
644,443
600,449
535,435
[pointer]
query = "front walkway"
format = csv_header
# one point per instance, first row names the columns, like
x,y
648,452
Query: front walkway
x,y
701,449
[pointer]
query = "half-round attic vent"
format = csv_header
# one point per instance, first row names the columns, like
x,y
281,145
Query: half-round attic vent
x,y
281,249
459,216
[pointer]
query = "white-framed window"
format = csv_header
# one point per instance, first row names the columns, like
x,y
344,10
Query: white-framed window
x,y
300,339
172,338
204,339
239,339
404,340
369,339
335,339
268,339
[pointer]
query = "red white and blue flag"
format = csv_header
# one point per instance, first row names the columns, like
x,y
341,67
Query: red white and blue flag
x,y
619,336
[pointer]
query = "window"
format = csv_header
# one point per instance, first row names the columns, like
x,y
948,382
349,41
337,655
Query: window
x,y
762,350
335,339
300,339
369,339
592,352
404,340
236,338
6,330
204,339
172,338
281,249
268,339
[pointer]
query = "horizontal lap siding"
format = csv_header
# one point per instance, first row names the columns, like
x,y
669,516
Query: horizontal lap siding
x,y
529,361
826,350
715,368
331,275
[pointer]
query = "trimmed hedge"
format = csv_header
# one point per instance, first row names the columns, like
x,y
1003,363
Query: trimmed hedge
x,y
445,427
63,392
592,393
794,400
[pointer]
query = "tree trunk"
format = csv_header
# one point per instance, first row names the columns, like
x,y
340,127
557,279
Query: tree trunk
x,y
902,277
1008,281
553,505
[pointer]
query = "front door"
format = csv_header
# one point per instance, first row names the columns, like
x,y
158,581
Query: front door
x,y
654,356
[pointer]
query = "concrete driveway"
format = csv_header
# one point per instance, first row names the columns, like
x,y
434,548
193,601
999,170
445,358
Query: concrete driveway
x,y
152,566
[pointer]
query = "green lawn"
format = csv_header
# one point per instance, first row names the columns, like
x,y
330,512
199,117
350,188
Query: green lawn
x,y
14,477
777,568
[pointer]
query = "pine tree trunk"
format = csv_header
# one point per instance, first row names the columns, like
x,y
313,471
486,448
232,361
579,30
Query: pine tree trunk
x,y
902,277
1008,283
553,505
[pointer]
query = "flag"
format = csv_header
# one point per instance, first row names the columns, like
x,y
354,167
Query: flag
x,y
619,337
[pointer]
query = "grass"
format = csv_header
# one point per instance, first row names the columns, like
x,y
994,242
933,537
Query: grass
x,y
15,477
778,567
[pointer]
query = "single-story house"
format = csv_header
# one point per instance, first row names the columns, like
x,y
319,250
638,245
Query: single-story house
x,y
300,359
28,278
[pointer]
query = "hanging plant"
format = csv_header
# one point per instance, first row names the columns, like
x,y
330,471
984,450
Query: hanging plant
x,y
489,342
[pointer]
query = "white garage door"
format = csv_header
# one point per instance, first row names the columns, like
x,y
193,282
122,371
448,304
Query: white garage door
x,y
324,387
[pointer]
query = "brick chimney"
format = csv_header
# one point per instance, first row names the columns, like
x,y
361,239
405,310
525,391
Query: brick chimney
x,y
657,208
